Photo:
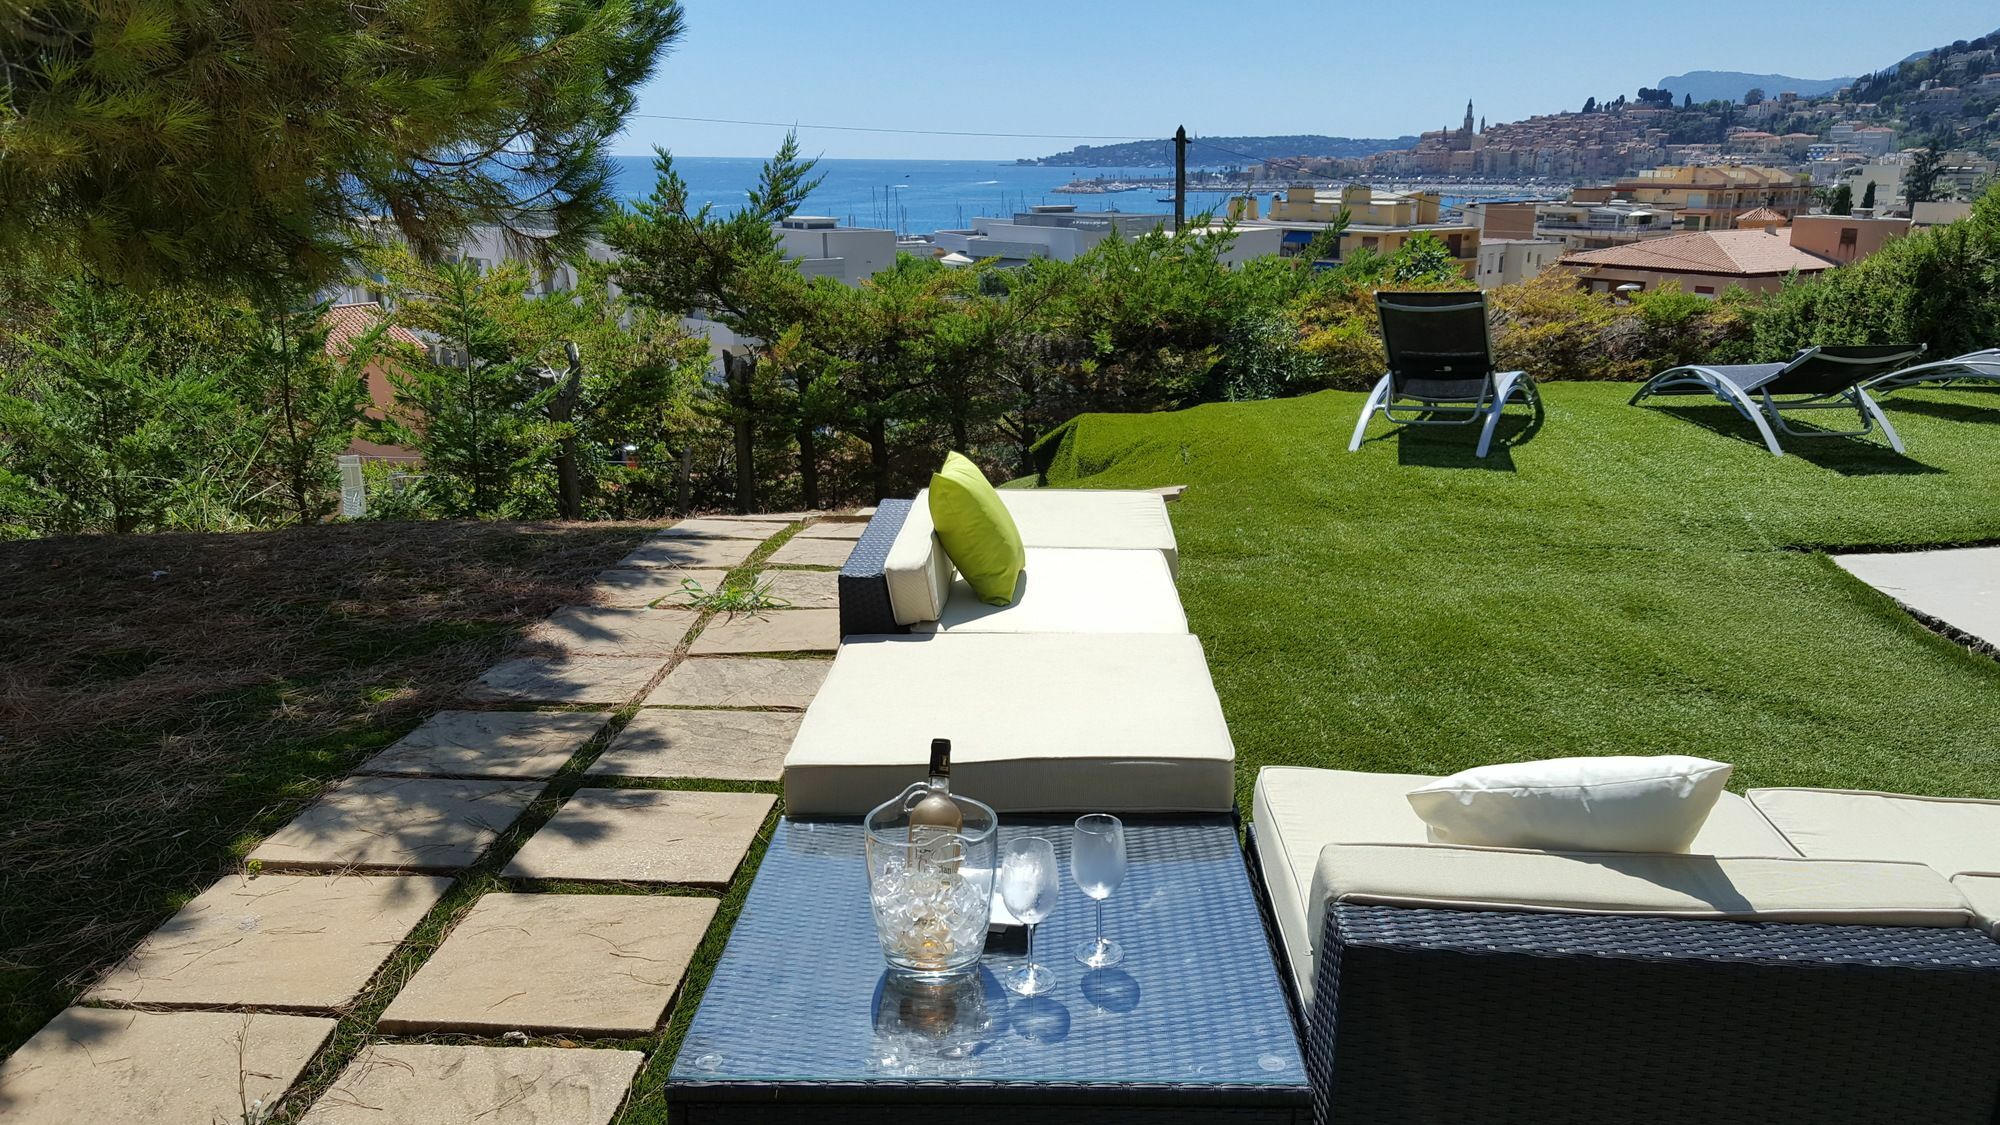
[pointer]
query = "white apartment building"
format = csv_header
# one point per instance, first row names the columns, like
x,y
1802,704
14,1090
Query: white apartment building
x,y
1504,261
1063,233
824,248
1596,226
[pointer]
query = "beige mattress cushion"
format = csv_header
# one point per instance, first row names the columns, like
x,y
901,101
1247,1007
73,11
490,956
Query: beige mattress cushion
x,y
1644,884
1076,590
917,571
1982,890
1298,811
1039,722
1077,517
1951,834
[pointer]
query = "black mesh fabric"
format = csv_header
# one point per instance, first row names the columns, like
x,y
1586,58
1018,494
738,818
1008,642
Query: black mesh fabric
x,y
1437,345
1834,368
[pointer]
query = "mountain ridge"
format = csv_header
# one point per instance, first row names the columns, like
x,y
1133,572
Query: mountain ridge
x,y
1211,151
1731,85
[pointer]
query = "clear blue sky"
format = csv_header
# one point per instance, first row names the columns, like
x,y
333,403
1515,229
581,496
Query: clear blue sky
x,y
1137,69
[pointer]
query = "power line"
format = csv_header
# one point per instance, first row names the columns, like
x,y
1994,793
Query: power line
x,y
874,129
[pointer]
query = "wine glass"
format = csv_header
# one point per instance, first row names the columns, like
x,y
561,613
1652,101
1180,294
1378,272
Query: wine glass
x,y
1029,885
1097,861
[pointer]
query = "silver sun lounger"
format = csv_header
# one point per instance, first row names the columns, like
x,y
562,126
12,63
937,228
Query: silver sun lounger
x,y
1983,366
1440,366
1822,378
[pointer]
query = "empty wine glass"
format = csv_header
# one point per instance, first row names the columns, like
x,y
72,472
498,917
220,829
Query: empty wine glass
x,y
1097,861
1029,885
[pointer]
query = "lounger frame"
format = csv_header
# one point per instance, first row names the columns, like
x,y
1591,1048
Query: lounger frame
x,y
1484,406
1767,410
1983,366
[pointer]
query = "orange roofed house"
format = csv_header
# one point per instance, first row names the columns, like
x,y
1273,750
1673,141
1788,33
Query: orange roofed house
x,y
344,323
1758,255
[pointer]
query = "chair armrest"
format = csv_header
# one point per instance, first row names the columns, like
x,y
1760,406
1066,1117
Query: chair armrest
x,y
864,587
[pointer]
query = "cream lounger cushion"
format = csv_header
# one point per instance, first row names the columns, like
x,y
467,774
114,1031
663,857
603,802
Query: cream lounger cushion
x,y
1952,834
1724,888
1074,590
919,575
1982,890
1039,722
1297,811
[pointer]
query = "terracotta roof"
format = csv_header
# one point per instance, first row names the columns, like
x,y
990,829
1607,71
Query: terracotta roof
x,y
1761,215
345,322
1743,252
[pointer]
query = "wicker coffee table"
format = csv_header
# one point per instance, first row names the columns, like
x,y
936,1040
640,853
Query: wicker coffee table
x,y
800,1023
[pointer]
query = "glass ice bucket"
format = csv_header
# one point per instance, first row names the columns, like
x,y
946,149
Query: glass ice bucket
x,y
933,901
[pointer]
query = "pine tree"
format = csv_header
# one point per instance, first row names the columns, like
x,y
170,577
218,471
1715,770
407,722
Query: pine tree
x,y
1868,196
1920,179
308,405
474,405
246,140
1842,202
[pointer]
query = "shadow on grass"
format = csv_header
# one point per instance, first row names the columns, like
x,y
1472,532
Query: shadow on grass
x,y
1850,457
1455,446
1988,412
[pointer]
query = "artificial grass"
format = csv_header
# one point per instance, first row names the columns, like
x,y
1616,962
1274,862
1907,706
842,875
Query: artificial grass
x,y
1614,579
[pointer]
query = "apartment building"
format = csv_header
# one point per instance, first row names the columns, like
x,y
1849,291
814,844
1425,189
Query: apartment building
x,y
1710,197
1378,221
1586,221
1061,232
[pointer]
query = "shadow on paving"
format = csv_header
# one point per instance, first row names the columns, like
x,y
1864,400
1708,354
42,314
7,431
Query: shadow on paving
x,y
169,699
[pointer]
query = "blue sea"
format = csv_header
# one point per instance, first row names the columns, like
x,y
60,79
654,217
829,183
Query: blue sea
x,y
912,196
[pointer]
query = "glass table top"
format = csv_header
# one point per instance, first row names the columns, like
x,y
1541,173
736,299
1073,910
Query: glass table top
x,y
801,995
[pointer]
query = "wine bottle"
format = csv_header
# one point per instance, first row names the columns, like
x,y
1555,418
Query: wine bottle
x,y
935,821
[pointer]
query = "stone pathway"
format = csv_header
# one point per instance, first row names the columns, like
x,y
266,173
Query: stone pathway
x,y
1959,587
293,943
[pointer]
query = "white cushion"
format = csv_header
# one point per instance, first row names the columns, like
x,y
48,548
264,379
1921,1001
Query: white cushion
x,y
1298,811
1952,834
1075,590
1613,804
917,571
1983,892
1077,517
1039,722
1826,891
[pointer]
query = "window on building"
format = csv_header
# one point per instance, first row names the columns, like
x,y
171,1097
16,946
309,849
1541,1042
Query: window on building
x,y
1848,235
1707,290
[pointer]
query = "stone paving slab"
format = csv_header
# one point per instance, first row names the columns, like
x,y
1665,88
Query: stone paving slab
x,y
111,1066
415,824
724,529
729,745
799,551
843,529
666,553
603,631
741,681
645,836
1960,587
522,744
770,517
804,589
411,1083
635,587
276,941
861,514
583,680
575,964
777,630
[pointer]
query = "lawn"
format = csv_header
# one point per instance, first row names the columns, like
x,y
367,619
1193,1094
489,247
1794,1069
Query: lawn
x,y
1616,580
168,700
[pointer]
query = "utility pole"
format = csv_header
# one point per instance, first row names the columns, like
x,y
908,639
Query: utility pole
x,y
1180,176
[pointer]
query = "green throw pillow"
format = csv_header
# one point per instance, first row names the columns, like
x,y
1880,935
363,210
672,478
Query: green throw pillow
x,y
977,530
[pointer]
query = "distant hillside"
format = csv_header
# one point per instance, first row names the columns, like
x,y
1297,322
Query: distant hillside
x,y
1731,85
1218,150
